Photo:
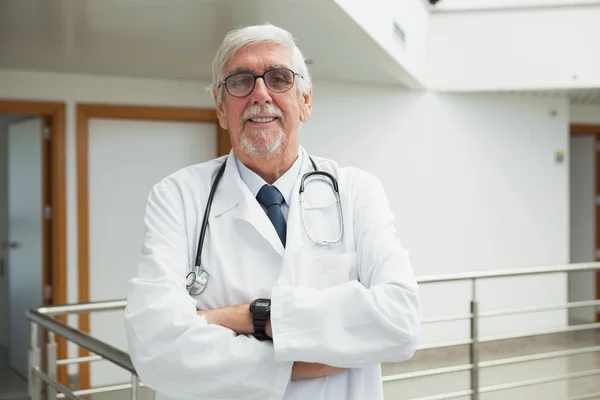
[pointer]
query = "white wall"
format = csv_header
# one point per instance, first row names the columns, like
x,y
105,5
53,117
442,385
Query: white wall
x,y
582,285
474,186
517,49
3,231
472,178
377,18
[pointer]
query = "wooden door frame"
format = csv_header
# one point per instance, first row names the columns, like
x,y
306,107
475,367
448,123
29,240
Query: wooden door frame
x,y
54,191
593,130
85,112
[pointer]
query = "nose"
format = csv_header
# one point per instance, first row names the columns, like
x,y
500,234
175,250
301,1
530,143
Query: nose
x,y
260,94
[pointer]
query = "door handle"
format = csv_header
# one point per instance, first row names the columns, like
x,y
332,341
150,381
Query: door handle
x,y
10,245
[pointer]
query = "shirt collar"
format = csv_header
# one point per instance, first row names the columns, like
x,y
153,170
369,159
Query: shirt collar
x,y
285,183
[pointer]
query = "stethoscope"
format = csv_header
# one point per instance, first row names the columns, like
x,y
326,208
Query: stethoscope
x,y
197,279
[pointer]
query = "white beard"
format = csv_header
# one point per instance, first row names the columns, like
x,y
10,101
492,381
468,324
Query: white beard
x,y
254,143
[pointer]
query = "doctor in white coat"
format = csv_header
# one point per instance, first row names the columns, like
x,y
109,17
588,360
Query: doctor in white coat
x,y
279,317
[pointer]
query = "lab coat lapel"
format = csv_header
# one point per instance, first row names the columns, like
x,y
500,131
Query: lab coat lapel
x,y
234,200
295,236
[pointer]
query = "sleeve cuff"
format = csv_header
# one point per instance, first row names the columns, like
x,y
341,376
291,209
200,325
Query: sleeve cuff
x,y
278,328
288,321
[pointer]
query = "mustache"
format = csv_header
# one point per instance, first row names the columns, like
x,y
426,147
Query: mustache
x,y
256,109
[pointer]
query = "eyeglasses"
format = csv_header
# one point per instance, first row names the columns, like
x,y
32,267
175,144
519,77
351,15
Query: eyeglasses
x,y
278,80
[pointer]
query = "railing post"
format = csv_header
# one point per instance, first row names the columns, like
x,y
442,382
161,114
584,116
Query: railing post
x,y
474,347
35,359
51,355
134,386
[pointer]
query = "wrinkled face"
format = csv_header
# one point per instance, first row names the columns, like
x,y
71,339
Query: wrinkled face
x,y
263,123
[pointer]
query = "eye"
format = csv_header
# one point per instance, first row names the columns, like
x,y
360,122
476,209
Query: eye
x,y
240,81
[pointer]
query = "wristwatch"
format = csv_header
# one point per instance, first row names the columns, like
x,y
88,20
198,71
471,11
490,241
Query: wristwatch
x,y
260,310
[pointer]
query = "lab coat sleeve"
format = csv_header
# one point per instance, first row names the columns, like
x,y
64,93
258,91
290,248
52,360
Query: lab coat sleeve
x,y
355,323
175,351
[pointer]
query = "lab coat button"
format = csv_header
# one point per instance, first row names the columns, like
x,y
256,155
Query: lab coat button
x,y
283,282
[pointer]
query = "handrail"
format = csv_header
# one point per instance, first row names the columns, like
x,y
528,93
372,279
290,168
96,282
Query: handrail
x,y
79,308
505,273
110,353
44,317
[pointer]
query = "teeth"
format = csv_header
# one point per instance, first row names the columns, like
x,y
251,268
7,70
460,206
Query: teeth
x,y
262,119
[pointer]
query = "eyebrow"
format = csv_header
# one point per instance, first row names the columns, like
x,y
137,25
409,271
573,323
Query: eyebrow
x,y
241,70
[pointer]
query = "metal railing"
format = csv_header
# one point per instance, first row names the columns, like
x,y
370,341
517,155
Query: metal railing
x,y
44,317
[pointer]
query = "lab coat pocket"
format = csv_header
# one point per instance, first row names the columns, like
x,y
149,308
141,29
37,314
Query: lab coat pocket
x,y
336,269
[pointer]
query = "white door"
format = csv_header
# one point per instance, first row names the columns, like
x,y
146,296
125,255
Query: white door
x,y
25,258
126,158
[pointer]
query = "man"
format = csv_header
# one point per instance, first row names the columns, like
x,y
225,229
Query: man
x,y
278,316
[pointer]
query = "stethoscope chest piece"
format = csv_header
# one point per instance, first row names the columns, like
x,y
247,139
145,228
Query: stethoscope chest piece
x,y
196,281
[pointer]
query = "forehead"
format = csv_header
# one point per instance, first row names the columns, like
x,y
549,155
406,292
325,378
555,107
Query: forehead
x,y
259,58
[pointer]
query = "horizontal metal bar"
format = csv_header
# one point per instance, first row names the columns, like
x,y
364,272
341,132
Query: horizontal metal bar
x,y
445,344
507,273
78,360
102,389
539,381
504,361
84,340
586,396
525,310
514,7
538,357
573,328
66,392
446,319
444,396
80,308
427,372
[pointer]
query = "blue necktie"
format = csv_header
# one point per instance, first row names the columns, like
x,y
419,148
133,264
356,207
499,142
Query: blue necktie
x,y
272,199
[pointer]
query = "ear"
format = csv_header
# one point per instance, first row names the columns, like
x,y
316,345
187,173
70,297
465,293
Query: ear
x,y
306,105
221,109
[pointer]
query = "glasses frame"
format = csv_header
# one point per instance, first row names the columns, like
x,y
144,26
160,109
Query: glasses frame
x,y
294,74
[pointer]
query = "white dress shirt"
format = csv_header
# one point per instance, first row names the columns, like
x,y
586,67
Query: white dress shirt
x,y
285,183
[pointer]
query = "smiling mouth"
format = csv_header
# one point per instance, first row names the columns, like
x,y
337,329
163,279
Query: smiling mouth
x,y
262,120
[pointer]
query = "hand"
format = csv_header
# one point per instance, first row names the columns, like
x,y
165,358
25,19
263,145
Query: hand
x,y
302,370
237,318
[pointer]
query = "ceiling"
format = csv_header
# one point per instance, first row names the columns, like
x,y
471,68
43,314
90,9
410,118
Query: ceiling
x,y
176,39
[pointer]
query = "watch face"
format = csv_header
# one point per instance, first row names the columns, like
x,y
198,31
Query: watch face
x,y
262,304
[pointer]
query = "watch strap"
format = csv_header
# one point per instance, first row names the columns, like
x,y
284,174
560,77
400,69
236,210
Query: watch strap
x,y
260,310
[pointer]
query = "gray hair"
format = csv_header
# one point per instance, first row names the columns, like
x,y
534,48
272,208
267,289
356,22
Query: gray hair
x,y
237,39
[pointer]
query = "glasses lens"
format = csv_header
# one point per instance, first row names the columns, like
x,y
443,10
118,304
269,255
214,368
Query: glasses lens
x,y
279,80
240,84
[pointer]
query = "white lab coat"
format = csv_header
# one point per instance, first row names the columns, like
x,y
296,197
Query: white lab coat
x,y
353,305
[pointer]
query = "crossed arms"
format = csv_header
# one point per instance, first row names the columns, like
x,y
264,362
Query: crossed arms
x,y
239,319
185,354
